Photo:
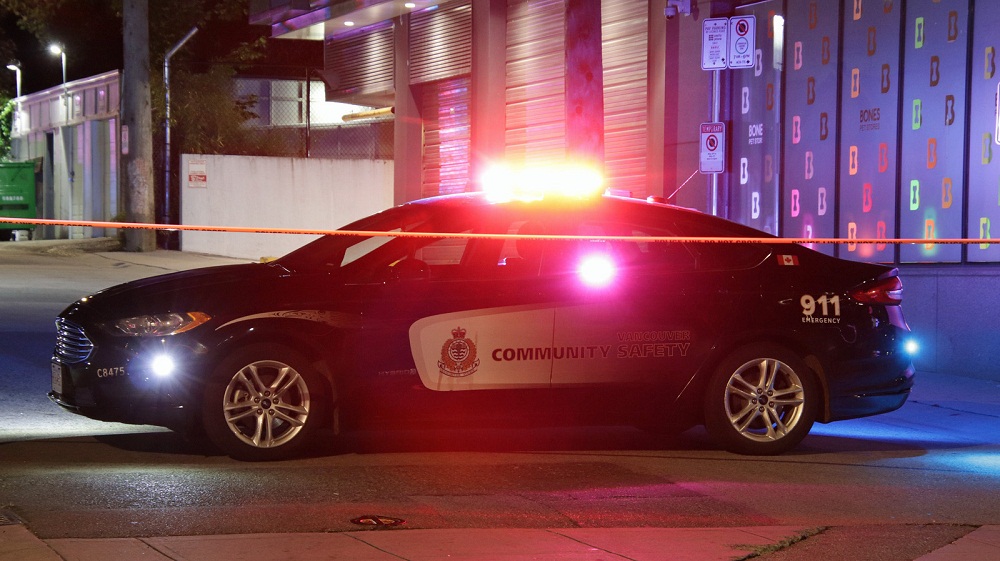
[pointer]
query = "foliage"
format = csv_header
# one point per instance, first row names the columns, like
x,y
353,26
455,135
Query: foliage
x,y
33,15
6,126
205,114
209,119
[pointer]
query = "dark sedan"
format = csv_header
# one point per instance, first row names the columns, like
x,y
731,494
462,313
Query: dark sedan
x,y
463,310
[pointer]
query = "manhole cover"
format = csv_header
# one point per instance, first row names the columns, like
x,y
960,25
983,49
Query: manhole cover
x,y
7,518
374,520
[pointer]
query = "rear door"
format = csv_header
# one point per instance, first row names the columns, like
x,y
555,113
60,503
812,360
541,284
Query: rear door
x,y
635,311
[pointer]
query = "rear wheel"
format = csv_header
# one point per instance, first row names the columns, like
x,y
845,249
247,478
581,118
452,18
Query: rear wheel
x,y
762,400
263,403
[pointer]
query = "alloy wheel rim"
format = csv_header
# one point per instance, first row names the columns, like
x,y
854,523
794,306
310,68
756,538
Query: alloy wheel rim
x,y
764,400
266,404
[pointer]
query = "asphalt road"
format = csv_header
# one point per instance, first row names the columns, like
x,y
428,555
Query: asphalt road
x,y
927,472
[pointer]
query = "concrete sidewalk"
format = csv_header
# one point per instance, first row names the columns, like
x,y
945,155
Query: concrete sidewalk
x,y
564,544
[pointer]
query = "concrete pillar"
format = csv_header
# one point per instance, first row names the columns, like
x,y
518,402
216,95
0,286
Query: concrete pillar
x,y
408,124
489,65
584,82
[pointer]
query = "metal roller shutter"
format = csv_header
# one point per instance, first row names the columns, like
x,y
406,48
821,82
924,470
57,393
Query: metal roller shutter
x,y
444,107
361,64
441,43
624,36
536,85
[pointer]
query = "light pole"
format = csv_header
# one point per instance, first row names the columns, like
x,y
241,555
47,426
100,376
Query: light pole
x,y
166,124
57,49
17,77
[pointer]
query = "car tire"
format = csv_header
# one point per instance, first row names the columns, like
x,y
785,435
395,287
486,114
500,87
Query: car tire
x,y
762,400
263,403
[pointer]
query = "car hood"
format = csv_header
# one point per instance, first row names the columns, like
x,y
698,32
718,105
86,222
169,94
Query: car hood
x,y
199,289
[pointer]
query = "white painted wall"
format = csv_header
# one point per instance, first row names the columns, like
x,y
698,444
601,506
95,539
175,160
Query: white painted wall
x,y
262,192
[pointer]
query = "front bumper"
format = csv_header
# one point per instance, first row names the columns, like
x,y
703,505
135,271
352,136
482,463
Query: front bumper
x,y
124,405
116,383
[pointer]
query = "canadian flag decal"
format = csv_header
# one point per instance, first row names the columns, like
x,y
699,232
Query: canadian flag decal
x,y
788,260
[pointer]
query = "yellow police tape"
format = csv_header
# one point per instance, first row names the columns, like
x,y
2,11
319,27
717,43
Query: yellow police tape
x,y
307,231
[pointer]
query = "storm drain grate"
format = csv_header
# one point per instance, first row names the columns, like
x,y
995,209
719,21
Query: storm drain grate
x,y
375,520
7,518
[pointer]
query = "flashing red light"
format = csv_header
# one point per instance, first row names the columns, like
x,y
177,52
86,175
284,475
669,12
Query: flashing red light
x,y
596,270
503,183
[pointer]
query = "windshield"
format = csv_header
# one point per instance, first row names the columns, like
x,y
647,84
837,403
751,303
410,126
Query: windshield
x,y
333,251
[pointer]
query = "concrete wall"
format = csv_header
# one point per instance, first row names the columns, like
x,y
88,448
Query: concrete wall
x,y
262,192
954,312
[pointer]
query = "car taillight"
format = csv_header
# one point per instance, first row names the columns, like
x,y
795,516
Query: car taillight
x,y
886,291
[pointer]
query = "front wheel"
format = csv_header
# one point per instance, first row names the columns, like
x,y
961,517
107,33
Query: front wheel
x,y
762,400
263,403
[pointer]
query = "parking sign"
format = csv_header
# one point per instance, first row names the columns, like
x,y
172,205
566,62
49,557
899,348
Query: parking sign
x,y
713,148
742,41
714,43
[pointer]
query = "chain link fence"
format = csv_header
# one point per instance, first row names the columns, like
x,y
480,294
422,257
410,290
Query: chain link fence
x,y
276,111
275,115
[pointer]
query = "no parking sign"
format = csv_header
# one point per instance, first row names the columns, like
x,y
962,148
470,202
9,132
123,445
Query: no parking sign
x,y
713,148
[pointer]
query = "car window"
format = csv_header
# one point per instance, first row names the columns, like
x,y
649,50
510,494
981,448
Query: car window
x,y
448,258
521,257
363,247
331,252
650,256
669,255
713,256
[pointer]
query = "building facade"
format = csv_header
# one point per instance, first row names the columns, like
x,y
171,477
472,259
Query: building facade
x,y
72,131
859,119
472,82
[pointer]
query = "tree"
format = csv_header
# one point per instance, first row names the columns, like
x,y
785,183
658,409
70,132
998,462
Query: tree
x,y
137,158
6,126
207,118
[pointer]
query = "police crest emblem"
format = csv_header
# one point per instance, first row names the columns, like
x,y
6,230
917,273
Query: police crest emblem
x,y
458,355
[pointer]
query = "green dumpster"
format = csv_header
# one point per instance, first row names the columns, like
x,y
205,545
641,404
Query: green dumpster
x,y
17,195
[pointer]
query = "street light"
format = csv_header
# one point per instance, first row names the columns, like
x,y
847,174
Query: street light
x,y
57,49
17,76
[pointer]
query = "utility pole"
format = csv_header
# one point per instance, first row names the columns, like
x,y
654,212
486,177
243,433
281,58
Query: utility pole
x,y
137,127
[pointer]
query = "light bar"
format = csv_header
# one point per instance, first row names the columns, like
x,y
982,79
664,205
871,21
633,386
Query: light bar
x,y
505,183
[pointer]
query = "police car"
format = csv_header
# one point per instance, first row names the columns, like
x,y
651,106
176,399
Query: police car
x,y
473,308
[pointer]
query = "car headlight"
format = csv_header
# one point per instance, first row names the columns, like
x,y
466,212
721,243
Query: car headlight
x,y
158,325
